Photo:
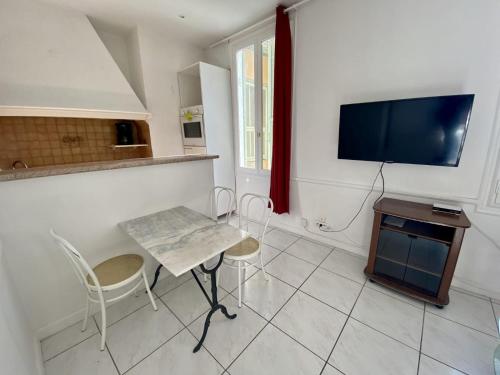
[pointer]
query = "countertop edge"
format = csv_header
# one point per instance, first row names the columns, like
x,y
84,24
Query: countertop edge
x,y
63,169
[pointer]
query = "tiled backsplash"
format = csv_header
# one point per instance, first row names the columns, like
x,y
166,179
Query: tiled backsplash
x,y
42,141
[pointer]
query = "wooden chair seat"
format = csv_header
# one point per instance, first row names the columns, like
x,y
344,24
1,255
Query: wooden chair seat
x,y
243,249
117,269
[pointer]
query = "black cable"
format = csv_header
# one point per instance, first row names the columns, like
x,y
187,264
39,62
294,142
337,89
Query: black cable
x,y
383,183
380,172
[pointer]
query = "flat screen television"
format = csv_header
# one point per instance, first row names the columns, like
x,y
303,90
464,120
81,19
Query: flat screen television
x,y
427,131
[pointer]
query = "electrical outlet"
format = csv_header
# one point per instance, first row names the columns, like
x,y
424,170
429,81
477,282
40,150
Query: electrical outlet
x,y
322,224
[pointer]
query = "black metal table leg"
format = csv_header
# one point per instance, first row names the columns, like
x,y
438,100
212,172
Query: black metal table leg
x,y
157,274
214,302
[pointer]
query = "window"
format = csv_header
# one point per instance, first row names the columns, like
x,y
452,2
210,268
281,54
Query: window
x,y
254,68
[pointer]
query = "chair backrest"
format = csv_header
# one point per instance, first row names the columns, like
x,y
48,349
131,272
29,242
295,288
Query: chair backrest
x,y
77,262
257,209
224,198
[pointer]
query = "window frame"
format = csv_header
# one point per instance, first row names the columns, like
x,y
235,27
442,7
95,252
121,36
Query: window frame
x,y
255,38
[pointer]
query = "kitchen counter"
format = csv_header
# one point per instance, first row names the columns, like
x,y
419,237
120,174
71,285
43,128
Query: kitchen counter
x,y
56,170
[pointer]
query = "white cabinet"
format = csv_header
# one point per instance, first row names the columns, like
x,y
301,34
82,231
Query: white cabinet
x,y
210,86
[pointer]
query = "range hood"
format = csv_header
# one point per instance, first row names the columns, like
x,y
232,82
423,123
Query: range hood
x,y
54,64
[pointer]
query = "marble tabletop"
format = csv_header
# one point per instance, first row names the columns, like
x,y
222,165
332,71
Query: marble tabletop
x,y
181,239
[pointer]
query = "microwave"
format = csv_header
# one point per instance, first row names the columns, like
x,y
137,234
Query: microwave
x,y
192,126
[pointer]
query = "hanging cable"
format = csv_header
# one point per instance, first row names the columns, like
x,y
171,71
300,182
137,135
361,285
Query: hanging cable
x,y
379,173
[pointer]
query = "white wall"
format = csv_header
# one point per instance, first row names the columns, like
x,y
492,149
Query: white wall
x,y
356,51
218,55
116,43
123,45
20,350
52,57
85,208
135,66
161,59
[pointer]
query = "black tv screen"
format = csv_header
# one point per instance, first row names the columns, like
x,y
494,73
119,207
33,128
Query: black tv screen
x,y
413,131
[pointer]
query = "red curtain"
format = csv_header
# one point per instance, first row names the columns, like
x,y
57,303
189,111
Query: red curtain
x,y
282,114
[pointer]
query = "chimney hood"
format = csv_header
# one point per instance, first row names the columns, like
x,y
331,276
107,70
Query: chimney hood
x,y
54,64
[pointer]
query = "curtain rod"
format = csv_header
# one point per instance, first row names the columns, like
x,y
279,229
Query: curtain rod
x,y
292,7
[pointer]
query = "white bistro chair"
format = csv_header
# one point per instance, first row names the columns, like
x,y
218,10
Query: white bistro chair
x,y
244,255
224,198
117,272
221,197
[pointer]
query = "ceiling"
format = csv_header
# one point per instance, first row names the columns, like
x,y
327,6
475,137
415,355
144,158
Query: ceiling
x,y
205,22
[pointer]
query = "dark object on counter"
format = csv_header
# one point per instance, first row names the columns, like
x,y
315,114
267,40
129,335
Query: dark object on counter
x,y
124,133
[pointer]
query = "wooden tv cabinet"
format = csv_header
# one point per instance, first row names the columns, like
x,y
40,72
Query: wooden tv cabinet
x,y
414,250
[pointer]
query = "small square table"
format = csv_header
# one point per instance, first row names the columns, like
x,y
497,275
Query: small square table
x,y
181,239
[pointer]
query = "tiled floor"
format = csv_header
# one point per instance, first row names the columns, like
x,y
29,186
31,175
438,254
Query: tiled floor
x,y
316,314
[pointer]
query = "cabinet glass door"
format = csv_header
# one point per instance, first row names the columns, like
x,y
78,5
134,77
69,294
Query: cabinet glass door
x,y
428,256
392,254
424,281
393,246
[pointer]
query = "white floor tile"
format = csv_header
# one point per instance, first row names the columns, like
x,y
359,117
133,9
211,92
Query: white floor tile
x,y
345,264
309,251
83,359
265,296
253,228
252,225
268,254
124,307
227,338
388,315
429,366
228,278
233,220
279,239
273,352
312,323
290,269
361,350
167,284
176,357
468,310
133,338
460,347
188,302
65,339
395,294
329,370
334,290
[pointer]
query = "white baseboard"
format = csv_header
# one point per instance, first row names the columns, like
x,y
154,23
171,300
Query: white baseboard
x,y
60,324
38,356
73,318
457,282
